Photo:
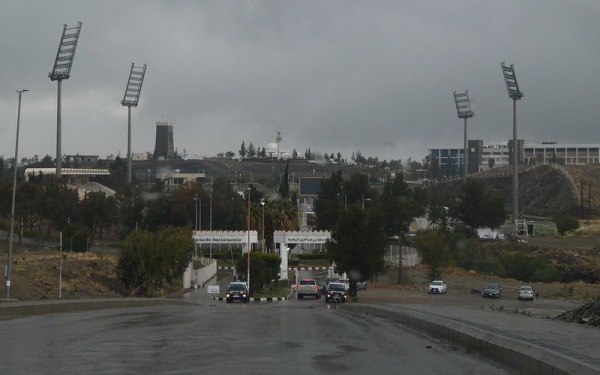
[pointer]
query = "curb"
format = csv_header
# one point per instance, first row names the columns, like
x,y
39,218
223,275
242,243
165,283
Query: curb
x,y
12,309
257,299
525,357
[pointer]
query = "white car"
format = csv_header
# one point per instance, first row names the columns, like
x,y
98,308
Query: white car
x,y
526,292
437,286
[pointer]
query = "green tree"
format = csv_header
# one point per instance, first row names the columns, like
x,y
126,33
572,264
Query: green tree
x,y
434,248
480,208
358,244
263,268
251,152
329,204
284,187
148,259
228,206
243,150
437,210
98,211
399,206
357,189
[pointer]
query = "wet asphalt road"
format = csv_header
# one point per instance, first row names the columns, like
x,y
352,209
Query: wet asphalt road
x,y
211,337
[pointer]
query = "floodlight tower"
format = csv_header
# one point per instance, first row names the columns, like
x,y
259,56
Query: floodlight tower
x,y
130,99
463,108
515,94
62,70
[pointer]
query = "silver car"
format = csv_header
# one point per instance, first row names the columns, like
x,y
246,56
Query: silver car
x,y
526,292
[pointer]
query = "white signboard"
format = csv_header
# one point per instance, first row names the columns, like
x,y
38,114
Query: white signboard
x,y
213,289
225,237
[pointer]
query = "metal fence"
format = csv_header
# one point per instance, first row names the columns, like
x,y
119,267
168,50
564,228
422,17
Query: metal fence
x,y
409,255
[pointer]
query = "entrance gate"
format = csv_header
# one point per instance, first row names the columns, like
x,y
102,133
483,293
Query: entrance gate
x,y
296,237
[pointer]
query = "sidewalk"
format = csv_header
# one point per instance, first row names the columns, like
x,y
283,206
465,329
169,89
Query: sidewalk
x,y
530,345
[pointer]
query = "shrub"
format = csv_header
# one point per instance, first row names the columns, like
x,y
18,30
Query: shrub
x,y
565,223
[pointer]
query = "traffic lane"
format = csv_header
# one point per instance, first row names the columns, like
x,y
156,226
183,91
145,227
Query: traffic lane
x,y
295,337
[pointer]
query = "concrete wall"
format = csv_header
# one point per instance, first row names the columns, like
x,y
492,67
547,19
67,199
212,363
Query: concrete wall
x,y
525,357
199,277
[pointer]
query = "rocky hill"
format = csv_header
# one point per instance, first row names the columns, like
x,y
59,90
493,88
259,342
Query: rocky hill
x,y
543,190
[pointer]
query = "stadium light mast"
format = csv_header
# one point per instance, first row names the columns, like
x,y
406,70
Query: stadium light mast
x,y
515,94
62,70
249,190
12,207
463,109
130,99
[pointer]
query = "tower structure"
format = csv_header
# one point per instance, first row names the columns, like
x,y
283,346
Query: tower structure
x,y
130,99
163,147
278,138
61,71
463,109
515,94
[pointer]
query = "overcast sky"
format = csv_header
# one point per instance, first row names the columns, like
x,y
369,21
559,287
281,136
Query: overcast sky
x,y
333,76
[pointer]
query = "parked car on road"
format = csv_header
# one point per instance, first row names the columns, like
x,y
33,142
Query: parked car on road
x,y
526,292
492,290
361,285
237,291
336,292
437,286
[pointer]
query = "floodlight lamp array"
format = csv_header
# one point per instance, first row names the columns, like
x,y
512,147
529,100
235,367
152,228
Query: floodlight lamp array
x,y
66,53
511,82
134,86
463,105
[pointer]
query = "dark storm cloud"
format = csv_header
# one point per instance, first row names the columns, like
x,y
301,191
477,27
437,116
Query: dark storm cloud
x,y
336,76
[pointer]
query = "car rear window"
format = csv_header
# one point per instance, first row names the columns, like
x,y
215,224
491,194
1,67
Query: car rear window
x,y
337,286
307,282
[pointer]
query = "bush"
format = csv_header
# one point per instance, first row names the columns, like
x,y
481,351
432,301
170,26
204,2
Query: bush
x,y
314,256
528,268
565,223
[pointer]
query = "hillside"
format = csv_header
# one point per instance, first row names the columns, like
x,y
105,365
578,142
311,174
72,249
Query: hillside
x,y
543,190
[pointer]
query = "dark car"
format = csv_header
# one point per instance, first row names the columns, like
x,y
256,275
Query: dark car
x,y
492,290
237,291
322,286
336,292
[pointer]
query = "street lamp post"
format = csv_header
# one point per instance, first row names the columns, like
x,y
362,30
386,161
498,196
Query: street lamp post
x,y
248,271
463,109
262,203
12,207
210,228
515,94
196,225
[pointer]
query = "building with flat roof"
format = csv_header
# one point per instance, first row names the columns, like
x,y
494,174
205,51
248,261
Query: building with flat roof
x,y
497,154
561,153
